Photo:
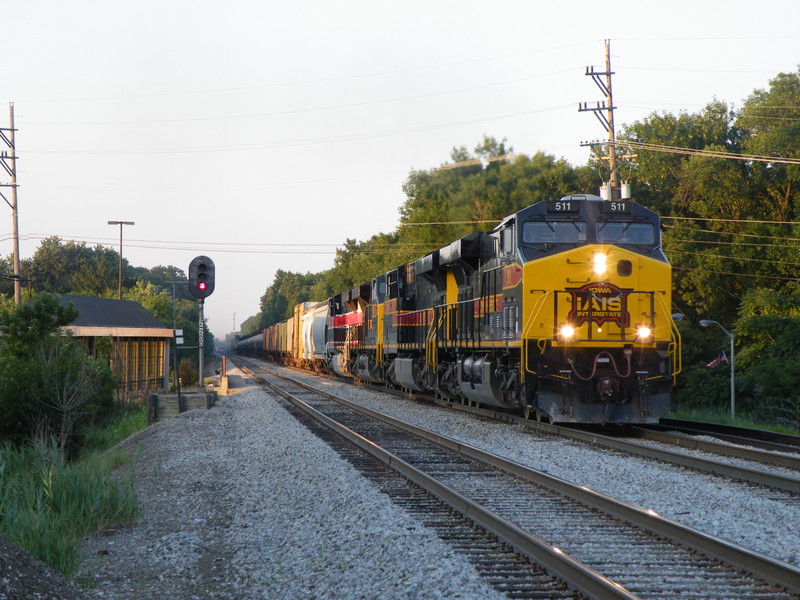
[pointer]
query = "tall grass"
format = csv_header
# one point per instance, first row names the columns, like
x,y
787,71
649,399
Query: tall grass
x,y
724,417
47,507
129,420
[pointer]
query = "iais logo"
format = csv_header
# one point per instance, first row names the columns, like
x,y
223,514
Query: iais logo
x,y
599,303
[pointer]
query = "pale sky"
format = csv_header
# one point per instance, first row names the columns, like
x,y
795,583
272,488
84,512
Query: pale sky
x,y
263,134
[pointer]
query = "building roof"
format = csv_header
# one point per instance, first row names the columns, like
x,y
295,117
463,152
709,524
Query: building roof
x,y
118,318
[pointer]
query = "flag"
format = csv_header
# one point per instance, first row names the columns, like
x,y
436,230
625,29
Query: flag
x,y
720,359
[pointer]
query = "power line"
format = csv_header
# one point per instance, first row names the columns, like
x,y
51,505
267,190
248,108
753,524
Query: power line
x,y
312,109
234,247
751,275
296,142
771,118
736,258
715,220
476,161
719,243
751,235
685,70
707,153
323,79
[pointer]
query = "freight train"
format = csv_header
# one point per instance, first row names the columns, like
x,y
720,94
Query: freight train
x,y
561,312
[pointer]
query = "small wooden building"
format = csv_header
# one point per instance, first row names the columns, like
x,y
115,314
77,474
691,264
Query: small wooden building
x,y
141,344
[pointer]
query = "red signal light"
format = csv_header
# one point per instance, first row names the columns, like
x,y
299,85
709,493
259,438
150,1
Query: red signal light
x,y
201,277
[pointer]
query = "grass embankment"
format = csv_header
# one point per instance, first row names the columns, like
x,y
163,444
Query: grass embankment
x,y
47,507
724,418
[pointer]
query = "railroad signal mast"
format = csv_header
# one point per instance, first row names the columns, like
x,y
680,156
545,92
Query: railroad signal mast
x,y
201,286
604,111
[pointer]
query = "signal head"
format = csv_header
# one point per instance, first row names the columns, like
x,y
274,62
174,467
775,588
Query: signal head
x,y
201,277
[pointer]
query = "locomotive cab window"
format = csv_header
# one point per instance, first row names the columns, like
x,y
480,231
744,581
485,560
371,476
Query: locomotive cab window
x,y
507,240
626,233
554,232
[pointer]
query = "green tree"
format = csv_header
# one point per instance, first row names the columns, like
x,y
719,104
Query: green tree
x,y
165,278
72,386
660,178
287,290
23,328
441,206
251,326
771,119
447,203
6,269
75,268
48,383
768,337
158,302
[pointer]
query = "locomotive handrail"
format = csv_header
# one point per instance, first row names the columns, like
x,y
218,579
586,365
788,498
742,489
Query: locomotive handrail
x,y
379,335
674,349
537,308
348,339
526,330
412,339
449,308
431,341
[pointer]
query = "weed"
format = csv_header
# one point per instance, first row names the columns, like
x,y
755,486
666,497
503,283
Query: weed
x,y
47,507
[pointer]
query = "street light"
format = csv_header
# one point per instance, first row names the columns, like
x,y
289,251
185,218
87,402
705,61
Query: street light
x,y
706,323
120,223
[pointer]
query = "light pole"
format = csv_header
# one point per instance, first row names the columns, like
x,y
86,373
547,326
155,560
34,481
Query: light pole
x,y
706,323
120,223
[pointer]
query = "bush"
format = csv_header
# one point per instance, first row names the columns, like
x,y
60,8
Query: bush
x,y
47,507
187,369
49,384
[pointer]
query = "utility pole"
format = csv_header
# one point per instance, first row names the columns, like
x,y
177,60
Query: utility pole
x,y
9,163
604,111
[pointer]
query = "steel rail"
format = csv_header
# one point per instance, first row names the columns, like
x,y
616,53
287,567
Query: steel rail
x,y
784,442
692,442
781,482
772,570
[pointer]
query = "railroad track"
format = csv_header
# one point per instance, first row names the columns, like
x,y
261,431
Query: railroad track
x,y
786,478
600,547
753,466
743,436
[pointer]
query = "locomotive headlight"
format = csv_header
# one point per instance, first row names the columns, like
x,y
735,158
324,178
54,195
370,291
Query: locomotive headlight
x,y
643,332
600,263
567,332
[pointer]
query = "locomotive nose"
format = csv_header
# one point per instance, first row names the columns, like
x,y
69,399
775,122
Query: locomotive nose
x,y
608,388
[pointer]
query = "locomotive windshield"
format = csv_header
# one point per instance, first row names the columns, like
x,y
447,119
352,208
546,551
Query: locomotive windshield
x,y
554,232
545,234
621,232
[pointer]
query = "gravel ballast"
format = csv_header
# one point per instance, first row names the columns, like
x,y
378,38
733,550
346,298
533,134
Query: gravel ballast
x,y
755,517
241,501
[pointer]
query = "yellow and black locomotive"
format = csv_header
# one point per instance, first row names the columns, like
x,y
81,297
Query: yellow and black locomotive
x,y
562,312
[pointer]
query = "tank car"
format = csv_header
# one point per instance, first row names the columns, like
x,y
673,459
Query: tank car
x,y
253,345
